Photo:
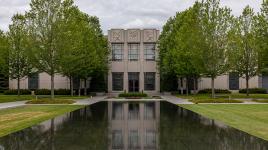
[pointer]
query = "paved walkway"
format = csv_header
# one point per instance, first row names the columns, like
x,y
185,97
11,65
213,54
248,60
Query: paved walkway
x,y
12,104
175,100
90,101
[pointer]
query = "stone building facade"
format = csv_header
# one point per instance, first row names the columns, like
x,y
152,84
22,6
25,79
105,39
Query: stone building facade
x,y
133,66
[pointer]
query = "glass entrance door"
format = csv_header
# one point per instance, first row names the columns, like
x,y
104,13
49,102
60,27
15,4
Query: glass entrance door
x,y
133,82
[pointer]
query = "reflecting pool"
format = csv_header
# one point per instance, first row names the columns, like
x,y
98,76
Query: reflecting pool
x,y
131,126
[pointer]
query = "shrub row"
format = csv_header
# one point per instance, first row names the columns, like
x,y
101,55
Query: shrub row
x,y
254,91
218,91
15,92
133,95
38,92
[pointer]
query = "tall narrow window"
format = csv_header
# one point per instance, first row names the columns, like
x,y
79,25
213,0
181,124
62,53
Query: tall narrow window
x,y
149,81
133,51
149,111
117,139
117,81
117,111
133,111
149,51
117,51
150,139
233,81
33,81
133,139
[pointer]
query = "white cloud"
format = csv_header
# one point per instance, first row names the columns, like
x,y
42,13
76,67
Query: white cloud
x,y
124,13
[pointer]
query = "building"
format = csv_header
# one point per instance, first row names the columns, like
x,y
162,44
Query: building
x,y
133,66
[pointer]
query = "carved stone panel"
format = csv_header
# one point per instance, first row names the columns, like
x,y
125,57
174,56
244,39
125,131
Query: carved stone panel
x,y
149,36
133,35
117,36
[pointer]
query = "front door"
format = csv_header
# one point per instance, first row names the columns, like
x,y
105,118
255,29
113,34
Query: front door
x,y
133,82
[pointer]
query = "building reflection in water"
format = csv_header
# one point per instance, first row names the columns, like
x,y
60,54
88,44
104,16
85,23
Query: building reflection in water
x,y
133,125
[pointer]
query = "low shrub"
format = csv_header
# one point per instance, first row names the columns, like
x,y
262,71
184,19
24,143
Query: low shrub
x,y
254,91
132,95
15,92
217,91
62,92
42,92
56,92
49,101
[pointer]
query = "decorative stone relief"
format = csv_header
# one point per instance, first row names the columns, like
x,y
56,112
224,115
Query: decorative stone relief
x,y
133,36
149,36
117,36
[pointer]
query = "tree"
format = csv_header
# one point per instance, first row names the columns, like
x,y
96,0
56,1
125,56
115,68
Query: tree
x,y
215,23
183,54
93,56
82,46
70,38
261,29
19,63
3,54
43,19
244,53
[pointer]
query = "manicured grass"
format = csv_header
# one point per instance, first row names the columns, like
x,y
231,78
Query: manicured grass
x,y
206,98
252,119
15,119
222,98
216,100
13,98
49,101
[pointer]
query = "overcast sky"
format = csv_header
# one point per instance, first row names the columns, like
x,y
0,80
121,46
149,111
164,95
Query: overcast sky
x,y
124,13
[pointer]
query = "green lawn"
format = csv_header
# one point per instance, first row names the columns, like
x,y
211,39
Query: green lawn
x,y
15,119
223,98
13,98
252,119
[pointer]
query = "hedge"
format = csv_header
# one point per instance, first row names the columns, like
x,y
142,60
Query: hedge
x,y
133,95
15,92
38,92
218,91
254,91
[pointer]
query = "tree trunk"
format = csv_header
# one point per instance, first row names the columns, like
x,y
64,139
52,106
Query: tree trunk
x,y
181,80
18,88
195,87
247,84
79,89
187,86
85,87
52,86
212,88
71,86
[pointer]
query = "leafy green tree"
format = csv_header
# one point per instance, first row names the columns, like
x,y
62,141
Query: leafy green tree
x,y
215,23
43,20
19,63
244,53
82,46
183,55
94,52
262,37
3,54
70,41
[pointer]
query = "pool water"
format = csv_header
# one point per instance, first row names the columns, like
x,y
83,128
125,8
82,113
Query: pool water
x,y
131,126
